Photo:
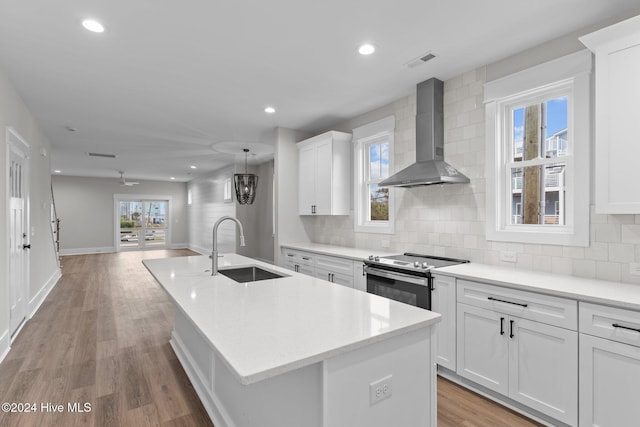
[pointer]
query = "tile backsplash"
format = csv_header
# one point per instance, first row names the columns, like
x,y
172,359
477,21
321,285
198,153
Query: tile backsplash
x,y
449,220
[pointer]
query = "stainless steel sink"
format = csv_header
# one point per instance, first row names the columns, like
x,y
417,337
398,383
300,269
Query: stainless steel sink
x,y
251,273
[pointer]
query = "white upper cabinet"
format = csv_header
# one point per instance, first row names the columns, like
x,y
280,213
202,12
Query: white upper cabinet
x,y
324,174
617,147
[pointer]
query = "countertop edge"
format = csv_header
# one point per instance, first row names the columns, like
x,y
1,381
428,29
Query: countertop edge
x,y
336,251
584,295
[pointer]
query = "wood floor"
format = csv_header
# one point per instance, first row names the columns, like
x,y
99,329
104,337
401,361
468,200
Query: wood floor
x,y
102,338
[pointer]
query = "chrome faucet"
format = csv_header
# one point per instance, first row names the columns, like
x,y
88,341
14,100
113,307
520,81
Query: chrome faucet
x,y
214,254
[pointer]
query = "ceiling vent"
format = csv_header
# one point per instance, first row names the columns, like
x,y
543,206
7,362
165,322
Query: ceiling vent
x,y
108,156
425,57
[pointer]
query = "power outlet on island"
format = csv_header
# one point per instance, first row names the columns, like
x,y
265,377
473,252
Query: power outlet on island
x,y
380,390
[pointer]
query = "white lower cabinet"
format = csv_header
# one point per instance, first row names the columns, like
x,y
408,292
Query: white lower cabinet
x,y
533,363
609,366
342,271
443,301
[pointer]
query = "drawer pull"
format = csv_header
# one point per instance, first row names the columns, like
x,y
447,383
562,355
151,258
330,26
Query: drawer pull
x,y
289,255
305,258
508,302
615,325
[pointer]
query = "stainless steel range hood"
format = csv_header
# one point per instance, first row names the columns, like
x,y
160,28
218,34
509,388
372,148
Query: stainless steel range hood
x,y
430,167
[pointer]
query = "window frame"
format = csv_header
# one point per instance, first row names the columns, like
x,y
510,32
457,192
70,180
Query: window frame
x,y
571,76
364,137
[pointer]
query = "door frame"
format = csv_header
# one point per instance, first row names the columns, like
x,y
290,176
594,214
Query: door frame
x,y
117,198
14,142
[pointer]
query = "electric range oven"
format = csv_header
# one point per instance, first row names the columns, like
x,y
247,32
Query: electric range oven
x,y
406,278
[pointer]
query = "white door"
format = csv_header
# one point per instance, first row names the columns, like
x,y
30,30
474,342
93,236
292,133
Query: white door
x,y
443,301
609,378
142,224
307,179
18,231
324,162
543,373
483,354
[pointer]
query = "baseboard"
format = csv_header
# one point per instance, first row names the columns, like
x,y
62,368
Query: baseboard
x,y
85,251
199,249
5,345
178,246
42,294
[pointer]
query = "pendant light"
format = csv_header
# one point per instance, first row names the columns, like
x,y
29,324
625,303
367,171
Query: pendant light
x,y
245,183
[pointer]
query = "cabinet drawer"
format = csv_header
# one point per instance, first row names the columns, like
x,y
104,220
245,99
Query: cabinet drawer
x,y
335,264
547,309
339,278
599,320
298,257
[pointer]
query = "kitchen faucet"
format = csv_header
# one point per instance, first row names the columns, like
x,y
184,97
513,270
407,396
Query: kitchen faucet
x,y
214,254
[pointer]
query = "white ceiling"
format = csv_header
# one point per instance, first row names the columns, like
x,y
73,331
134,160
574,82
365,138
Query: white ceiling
x,y
167,79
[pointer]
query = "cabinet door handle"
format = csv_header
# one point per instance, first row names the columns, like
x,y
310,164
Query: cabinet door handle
x,y
290,255
616,325
507,302
502,326
305,258
511,329
296,267
363,273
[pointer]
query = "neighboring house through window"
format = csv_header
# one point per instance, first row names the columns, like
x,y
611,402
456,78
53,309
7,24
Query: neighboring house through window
x,y
373,148
538,145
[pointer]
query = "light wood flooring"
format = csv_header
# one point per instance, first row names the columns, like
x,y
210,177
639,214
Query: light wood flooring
x,y
102,338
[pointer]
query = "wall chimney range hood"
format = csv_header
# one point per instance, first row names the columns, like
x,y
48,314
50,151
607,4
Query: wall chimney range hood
x,y
430,167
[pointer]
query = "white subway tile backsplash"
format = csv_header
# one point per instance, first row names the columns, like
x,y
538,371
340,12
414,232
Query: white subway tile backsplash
x,y
630,234
609,233
584,268
608,271
621,252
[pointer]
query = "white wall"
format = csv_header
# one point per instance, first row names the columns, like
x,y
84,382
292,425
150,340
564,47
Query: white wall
x,y
85,208
208,206
290,227
257,218
43,266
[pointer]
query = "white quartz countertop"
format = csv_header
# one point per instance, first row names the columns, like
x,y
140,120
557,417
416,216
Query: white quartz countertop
x,y
598,291
339,251
266,328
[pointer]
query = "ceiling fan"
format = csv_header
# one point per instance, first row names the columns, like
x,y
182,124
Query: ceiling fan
x,y
124,182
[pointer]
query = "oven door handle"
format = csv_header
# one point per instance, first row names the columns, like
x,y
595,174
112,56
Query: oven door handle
x,y
397,276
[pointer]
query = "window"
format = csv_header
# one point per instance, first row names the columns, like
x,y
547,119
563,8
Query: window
x,y
374,162
538,145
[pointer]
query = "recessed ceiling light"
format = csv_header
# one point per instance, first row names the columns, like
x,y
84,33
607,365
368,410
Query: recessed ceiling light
x,y
269,110
172,178
57,171
93,25
366,49
193,167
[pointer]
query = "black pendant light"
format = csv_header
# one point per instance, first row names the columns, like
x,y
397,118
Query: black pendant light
x,y
246,183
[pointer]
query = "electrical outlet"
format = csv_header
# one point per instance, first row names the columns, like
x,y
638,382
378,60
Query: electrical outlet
x,y
634,269
380,390
508,256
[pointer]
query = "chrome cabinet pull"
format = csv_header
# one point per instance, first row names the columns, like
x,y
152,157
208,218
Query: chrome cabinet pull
x,y
616,325
502,326
507,302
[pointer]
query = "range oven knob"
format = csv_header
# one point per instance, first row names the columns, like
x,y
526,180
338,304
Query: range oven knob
x,y
425,265
370,257
377,258
416,264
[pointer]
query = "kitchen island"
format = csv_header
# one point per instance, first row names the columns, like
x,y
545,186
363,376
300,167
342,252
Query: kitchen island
x,y
297,350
